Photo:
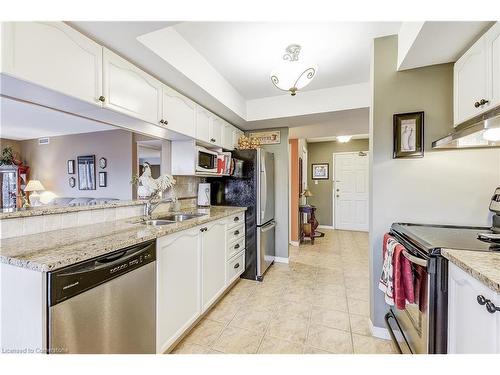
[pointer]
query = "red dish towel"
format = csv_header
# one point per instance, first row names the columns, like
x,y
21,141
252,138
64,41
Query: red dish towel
x,y
421,287
403,279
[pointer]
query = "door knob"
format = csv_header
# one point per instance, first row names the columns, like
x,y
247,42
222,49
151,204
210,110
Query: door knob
x,y
337,196
477,104
481,300
483,101
491,308
102,99
338,189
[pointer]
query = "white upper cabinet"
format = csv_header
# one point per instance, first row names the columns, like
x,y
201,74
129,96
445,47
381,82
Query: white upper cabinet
x,y
203,118
55,56
471,327
227,136
130,90
179,112
237,133
476,77
216,130
492,38
213,260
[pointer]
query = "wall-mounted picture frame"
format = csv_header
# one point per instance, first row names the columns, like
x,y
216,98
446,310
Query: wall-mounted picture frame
x,y
71,167
103,179
267,138
86,172
408,135
72,182
319,171
103,163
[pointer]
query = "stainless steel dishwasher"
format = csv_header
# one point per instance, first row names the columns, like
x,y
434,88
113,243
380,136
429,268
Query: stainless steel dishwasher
x,y
105,305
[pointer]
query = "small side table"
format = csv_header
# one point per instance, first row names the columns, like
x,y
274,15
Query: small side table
x,y
308,229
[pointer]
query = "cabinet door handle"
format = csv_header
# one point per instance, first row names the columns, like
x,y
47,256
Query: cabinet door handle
x,y
102,99
477,104
481,300
237,246
236,232
491,308
212,140
204,229
236,218
161,121
483,102
237,265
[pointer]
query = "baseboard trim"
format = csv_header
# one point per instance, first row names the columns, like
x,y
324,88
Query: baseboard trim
x,y
383,333
281,260
326,227
295,243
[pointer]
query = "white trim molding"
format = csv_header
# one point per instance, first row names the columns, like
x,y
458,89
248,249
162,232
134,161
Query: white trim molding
x,y
281,260
295,243
383,333
326,227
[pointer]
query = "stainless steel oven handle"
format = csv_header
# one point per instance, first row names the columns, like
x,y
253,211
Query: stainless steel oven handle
x,y
421,262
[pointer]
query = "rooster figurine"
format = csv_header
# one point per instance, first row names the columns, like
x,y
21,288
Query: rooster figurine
x,y
149,186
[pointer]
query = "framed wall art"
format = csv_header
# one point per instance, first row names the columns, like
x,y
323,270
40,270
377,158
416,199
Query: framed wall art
x,y
86,172
103,179
408,135
320,171
71,167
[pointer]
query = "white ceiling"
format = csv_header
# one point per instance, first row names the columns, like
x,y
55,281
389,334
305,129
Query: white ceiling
x,y
244,53
20,121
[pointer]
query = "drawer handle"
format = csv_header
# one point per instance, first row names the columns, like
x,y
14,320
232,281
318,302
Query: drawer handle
x,y
236,218
491,308
237,246
481,103
236,232
237,265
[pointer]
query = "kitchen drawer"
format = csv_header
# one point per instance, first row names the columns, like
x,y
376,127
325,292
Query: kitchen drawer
x,y
234,234
235,248
235,267
235,220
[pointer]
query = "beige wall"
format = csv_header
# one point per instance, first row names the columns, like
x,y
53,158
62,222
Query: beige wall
x,y
48,163
322,190
447,187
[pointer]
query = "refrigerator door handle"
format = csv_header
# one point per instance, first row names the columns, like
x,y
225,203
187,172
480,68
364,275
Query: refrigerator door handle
x,y
263,185
268,227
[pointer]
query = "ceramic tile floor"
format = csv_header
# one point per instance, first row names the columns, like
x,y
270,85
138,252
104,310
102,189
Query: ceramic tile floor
x,y
318,303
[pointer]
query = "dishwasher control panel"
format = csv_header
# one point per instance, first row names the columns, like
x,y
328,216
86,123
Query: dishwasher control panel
x,y
75,279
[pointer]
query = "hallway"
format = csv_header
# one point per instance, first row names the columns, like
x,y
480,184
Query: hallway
x,y
318,303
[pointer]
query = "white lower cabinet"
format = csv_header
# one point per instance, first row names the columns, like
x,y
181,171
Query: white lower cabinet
x,y
471,328
178,285
192,272
213,259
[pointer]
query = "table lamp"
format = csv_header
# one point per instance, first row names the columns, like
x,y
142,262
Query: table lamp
x,y
34,186
307,194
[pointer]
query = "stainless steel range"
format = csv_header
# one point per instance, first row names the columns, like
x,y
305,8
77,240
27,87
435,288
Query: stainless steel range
x,y
425,330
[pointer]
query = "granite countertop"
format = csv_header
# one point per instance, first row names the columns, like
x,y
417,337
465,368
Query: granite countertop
x,y
48,251
46,210
483,266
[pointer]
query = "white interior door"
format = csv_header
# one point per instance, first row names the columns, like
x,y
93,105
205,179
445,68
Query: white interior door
x,y
350,191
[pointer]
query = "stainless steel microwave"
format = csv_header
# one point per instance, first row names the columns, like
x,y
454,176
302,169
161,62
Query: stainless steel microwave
x,y
206,160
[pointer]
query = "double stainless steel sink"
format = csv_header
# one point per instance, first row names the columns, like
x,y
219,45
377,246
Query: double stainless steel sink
x,y
171,219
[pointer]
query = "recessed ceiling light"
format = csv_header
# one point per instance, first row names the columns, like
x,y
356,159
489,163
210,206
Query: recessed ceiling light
x,y
344,138
293,75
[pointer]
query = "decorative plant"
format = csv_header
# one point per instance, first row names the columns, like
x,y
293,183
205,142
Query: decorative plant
x,y
7,157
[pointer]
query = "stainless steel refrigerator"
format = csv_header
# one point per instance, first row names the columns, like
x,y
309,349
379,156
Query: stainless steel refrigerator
x,y
253,189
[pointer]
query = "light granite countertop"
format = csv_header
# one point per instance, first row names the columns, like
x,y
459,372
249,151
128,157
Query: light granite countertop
x,y
51,250
483,266
47,210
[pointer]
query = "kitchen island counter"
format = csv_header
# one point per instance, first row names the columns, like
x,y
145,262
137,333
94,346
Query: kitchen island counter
x,y
51,250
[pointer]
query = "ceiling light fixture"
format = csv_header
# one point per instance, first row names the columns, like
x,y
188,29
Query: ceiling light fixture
x,y
344,138
293,75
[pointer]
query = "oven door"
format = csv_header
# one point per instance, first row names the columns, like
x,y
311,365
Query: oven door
x,y
414,322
